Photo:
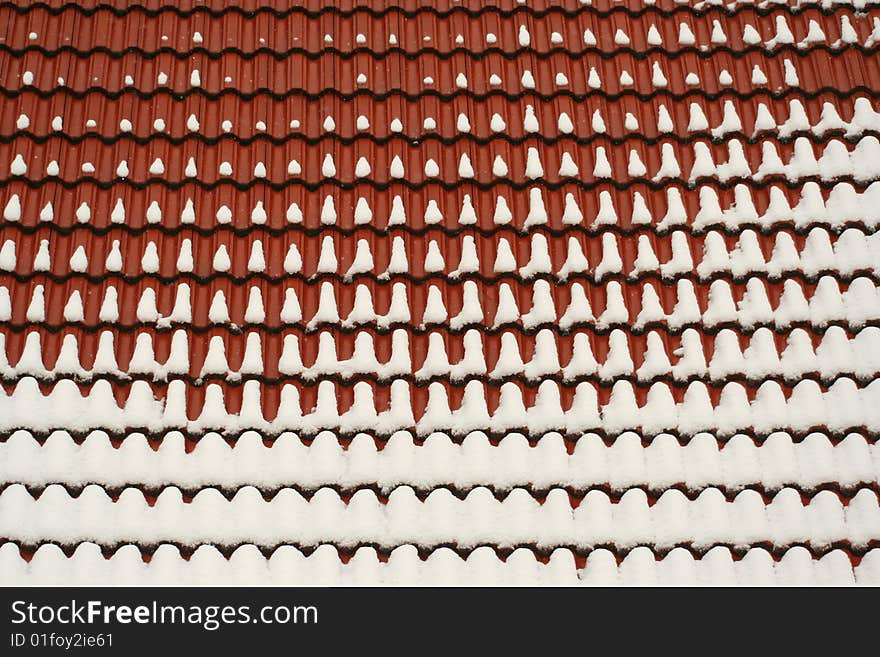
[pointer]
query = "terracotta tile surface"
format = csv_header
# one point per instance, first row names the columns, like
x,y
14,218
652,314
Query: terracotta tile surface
x,y
551,292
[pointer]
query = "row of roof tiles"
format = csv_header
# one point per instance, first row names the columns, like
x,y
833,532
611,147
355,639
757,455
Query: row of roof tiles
x,y
747,29
638,306
822,522
845,406
453,258
431,75
816,462
441,567
312,8
327,566
562,119
724,357
572,208
516,165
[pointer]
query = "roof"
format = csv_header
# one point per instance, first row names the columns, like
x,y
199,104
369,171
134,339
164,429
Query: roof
x,y
543,292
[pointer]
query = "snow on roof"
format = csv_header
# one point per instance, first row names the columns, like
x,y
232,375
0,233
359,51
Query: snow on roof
x,y
558,293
